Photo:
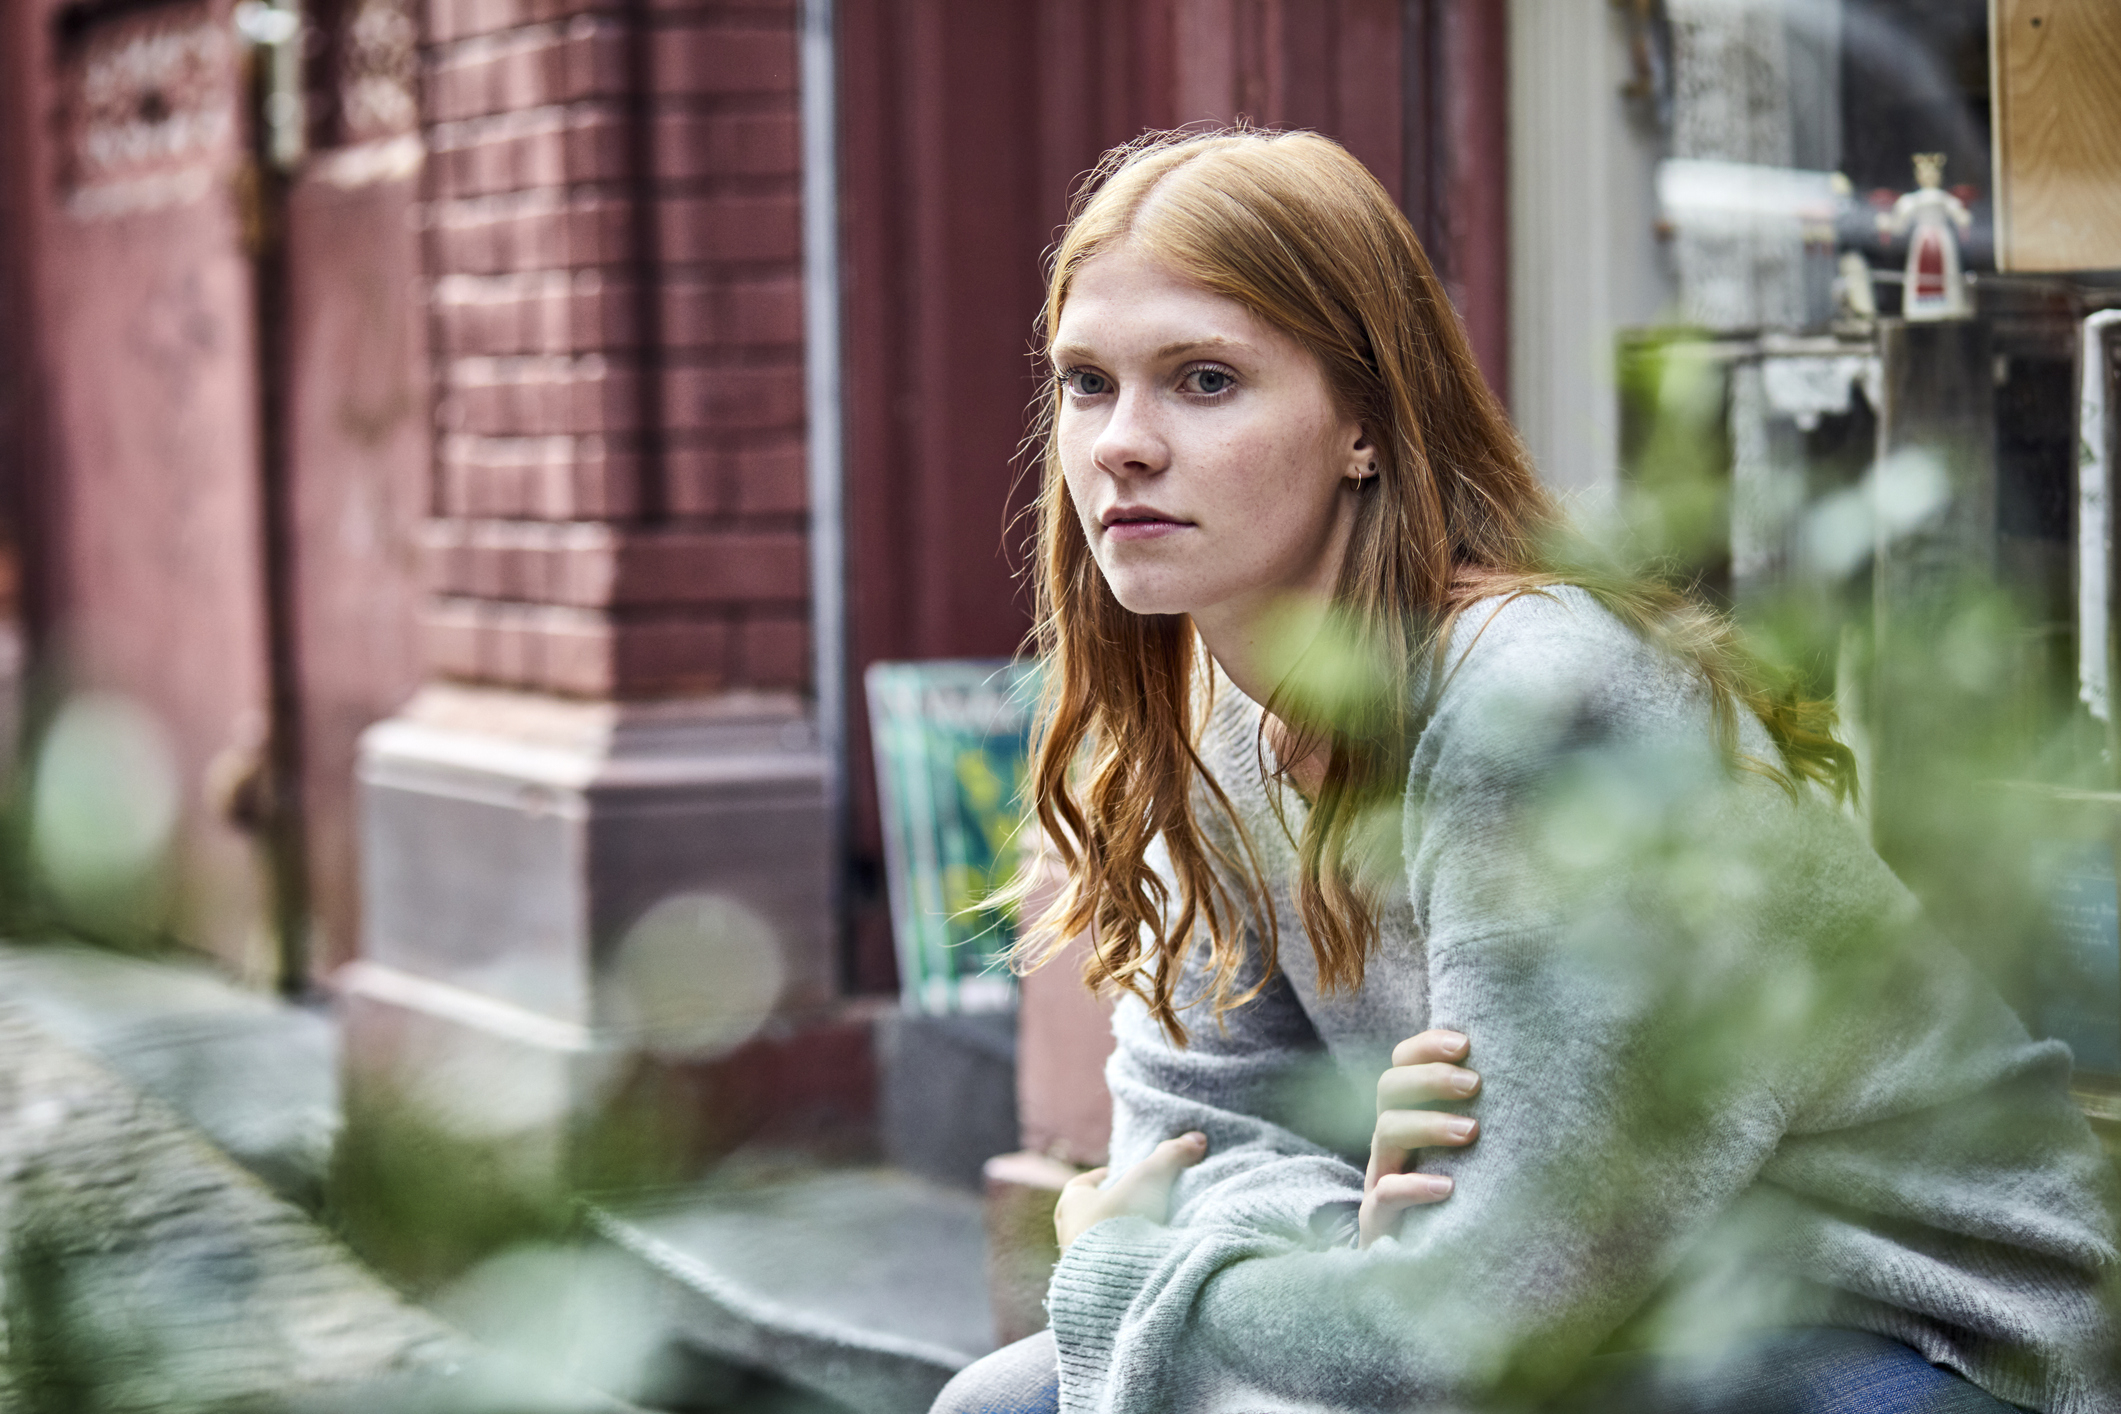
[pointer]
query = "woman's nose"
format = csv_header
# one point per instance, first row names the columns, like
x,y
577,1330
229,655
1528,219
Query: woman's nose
x,y
1132,442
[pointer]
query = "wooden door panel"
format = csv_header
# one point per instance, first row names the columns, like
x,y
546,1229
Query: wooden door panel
x,y
150,524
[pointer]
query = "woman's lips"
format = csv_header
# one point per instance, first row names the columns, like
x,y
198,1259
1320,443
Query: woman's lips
x,y
1143,529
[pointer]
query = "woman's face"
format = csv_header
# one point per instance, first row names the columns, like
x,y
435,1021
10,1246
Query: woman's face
x,y
1201,446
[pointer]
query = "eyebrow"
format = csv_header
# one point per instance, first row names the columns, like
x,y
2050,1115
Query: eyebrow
x,y
1067,353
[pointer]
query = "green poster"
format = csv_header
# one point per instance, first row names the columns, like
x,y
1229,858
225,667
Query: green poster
x,y
951,742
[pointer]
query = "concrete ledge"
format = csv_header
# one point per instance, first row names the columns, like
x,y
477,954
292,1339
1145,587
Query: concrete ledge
x,y
866,1286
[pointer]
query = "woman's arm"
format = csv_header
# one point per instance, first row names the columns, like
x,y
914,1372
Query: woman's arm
x,y
1424,1073
1566,1216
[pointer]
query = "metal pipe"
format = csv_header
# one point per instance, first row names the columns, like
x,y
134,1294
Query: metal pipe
x,y
827,451
274,36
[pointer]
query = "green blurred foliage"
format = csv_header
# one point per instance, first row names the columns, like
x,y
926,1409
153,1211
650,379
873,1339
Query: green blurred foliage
x,y
1954,682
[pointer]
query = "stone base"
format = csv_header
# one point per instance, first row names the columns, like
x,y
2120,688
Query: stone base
x,y
511,841
949,1092
598,951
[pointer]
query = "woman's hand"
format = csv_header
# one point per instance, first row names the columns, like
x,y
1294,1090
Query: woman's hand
x,y
1143,1191
1423,1073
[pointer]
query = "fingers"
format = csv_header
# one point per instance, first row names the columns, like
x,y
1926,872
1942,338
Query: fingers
x,y
1181,1153
1411,1190
1422,1129
1144,1190
1158,1171
1392,1195
1433,1082
1425,1071
1078,1207
1385,1158
1434,1045
1400,1132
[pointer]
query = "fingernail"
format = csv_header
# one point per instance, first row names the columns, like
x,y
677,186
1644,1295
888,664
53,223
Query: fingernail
x,y
1194,1137
1465,1082
1436,1183
1456,1040
1459,1128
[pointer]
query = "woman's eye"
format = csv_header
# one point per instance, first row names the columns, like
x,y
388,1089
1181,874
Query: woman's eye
x,y
1085,383
1210,381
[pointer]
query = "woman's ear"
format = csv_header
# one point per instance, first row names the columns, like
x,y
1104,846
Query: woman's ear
x,y
1362,458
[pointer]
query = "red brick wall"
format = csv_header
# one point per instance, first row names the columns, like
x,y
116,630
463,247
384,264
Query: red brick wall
x,y
613,235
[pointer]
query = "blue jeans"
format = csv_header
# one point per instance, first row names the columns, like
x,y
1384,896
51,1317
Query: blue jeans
x,y
1816,1371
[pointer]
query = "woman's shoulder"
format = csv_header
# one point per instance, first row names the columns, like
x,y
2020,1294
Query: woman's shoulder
x,y
1554,660
1551,640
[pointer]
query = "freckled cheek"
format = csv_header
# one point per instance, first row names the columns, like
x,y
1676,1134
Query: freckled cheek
x,y
1074,449
1264,475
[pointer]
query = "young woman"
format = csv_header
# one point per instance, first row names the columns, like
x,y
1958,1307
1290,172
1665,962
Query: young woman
x,y
1351,788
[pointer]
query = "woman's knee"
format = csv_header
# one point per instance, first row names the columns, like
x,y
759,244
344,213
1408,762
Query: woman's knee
x,y
1023,1378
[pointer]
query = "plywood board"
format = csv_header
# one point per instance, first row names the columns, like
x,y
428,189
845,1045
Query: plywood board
x,y
2056,87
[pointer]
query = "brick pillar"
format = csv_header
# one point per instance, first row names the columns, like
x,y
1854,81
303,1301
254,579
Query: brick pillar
x,y
617,631
620,439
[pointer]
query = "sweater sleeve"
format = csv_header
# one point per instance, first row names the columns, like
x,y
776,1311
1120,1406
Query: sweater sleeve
x,y
1644,946
1281,1121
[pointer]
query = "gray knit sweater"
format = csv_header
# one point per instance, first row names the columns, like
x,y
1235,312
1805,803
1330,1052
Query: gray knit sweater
x,y
1730,1081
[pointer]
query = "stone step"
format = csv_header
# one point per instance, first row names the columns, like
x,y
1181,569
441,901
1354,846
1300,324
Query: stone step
x,y
867,1286
253,1074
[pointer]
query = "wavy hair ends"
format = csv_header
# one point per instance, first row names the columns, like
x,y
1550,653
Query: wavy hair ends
x,y
1294,228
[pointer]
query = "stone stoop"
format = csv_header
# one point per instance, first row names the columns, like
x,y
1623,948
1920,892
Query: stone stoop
x,y
865,1286
120,1057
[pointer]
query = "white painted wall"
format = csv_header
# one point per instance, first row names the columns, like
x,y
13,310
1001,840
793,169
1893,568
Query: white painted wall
x,y
1584,257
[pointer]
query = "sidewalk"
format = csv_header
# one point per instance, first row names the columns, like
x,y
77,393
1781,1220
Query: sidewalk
x,y
255,1075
